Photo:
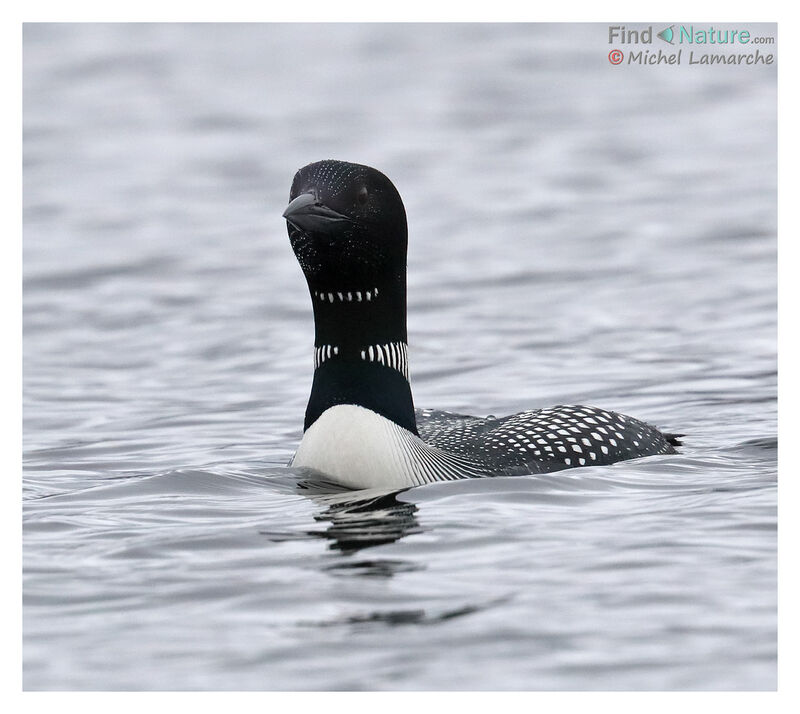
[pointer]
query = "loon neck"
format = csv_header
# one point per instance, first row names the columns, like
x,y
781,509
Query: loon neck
x,y
360,350
368,313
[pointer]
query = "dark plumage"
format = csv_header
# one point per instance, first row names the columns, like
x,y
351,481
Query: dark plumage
x,y
542,440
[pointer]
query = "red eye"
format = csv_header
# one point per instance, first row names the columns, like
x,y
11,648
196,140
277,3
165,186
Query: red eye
x,y
362,196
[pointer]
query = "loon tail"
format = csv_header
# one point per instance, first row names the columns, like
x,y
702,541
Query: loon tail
x,y
674,439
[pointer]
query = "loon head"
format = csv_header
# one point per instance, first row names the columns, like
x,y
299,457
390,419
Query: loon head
x,y
347,227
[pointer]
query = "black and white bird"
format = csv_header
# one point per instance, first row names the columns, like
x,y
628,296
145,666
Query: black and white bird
x,y
347,227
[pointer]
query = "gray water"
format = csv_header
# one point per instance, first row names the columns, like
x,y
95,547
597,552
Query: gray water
x,y
579,233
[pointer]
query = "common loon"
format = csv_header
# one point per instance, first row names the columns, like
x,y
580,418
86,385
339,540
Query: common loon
x,y
347,227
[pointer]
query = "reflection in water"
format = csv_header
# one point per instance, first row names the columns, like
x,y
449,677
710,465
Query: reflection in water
x,y
356,520
407,617
363,522
381,568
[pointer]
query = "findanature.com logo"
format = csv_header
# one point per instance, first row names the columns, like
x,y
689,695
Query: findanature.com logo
x,y
721,39
685,35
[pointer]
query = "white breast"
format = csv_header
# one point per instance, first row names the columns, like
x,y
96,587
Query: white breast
x,y
359,448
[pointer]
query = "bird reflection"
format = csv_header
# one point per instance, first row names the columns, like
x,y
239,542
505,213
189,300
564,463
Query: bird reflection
x,y
355,522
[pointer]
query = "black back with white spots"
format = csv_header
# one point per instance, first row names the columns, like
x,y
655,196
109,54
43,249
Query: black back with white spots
x,y
543,440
